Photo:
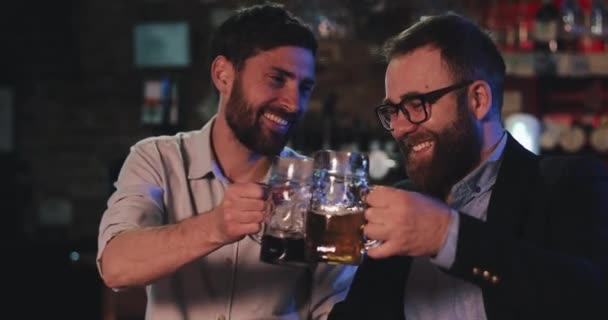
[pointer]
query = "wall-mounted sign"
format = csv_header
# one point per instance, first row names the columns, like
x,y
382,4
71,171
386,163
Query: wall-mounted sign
x,y
162,45
160,105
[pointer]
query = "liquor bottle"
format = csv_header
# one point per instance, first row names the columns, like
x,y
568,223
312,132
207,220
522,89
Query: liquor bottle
x,y
546,26
524,24
572,27
598,25
495,25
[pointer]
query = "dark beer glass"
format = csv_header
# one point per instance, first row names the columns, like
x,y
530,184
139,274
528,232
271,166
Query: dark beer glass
x,y
282,238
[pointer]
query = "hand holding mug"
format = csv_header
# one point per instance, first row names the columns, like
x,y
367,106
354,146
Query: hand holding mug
x,y
241,212
407,223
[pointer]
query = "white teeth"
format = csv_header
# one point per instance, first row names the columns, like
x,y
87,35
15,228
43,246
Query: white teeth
x,y
421,146
276,119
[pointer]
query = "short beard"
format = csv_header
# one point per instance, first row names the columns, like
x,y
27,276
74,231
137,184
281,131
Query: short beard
x,y
456,152
245,121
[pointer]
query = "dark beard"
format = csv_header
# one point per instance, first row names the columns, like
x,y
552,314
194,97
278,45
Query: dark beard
x,y
456,152
245,122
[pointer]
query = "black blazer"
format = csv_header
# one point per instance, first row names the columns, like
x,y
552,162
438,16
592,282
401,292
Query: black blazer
x,y
544,246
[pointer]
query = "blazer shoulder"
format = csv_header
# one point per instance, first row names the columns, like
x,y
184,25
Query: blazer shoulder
x,y
575,166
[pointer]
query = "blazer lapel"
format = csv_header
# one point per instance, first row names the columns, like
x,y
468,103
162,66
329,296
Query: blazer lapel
x,y
513,192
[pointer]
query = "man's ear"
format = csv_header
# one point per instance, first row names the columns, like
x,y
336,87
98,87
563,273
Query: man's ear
x,y
480,99
222,74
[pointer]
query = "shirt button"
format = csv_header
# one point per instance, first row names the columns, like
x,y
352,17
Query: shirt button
x,y
221,317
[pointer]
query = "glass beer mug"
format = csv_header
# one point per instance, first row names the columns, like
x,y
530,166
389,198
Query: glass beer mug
x,y
282,235
334,223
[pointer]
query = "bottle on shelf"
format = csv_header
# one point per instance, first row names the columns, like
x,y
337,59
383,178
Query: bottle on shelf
x,y
598,26
546,27
494,23
572,26
523,25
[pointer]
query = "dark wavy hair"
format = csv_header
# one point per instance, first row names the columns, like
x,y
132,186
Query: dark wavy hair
x,y
259,28
467,49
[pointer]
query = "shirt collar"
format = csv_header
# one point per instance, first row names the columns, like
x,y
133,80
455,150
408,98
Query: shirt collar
x,y
202,161
482,178
198,150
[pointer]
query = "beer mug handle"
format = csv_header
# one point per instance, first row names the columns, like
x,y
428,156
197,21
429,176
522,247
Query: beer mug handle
x,y
368,243
257,237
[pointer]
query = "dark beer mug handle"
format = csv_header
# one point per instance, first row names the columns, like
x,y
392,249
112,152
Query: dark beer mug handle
x,y
257,237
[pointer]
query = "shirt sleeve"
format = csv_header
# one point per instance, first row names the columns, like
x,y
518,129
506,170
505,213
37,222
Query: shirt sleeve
x,y
138,199
330,286
447,253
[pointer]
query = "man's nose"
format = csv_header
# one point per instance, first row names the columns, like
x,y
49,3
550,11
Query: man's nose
x,y
290,98
402,125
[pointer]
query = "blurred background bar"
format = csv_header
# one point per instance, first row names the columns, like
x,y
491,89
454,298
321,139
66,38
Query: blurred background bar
x,y
81,81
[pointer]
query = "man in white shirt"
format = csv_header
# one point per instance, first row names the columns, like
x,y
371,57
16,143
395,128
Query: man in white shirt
x,y
184,205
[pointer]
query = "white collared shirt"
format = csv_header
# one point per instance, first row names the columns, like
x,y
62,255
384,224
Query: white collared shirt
x,y
171,178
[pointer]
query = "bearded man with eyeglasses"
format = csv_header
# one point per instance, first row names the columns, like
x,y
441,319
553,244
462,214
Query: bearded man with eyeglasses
x,y
482,228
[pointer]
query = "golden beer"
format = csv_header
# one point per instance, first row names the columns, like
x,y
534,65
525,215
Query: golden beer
x,y
335,238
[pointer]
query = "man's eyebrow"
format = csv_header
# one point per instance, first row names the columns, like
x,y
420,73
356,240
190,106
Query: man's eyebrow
x,y
284,72
405,96
409,95
291,75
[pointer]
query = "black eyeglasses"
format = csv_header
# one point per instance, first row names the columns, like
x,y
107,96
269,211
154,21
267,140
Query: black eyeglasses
x,y
415,108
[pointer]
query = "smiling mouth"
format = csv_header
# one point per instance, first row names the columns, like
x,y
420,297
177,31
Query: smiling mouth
x,y
278,121
422,146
